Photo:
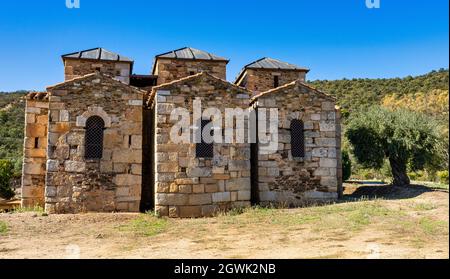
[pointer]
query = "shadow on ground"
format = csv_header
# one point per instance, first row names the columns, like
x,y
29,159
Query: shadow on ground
x,y
388,192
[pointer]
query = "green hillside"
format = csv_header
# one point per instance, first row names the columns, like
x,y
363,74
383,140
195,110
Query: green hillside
x,y
12,110
356,93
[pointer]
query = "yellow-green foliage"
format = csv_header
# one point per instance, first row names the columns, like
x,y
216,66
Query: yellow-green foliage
x,y
145,225
434,102
3,227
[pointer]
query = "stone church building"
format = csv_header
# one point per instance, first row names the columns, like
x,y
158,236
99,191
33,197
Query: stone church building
x,y
100,141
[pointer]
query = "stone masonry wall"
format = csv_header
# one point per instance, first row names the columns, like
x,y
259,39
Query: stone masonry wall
x,y
291,181
35,149
74,68
74,184
187,186
260,80
169,70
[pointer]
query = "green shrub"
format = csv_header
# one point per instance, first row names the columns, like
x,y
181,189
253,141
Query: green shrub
x,y
6,174
346,166
443,176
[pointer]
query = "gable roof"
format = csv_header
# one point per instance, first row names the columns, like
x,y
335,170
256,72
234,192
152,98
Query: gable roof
x,y
270,64
96,75
292,85
189,78
97,54
191,53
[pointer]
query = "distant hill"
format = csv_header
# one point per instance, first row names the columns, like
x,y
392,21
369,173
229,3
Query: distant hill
x,y
356,93
12,117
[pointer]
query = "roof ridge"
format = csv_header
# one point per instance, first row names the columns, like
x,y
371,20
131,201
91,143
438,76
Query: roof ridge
x,y
155,88
98,51
101,75
295,82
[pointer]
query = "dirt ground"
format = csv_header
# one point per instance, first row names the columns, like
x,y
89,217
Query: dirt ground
x,y
371,222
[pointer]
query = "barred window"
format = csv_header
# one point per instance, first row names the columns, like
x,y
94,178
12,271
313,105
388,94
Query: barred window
x,y
94,138
203,149
297,139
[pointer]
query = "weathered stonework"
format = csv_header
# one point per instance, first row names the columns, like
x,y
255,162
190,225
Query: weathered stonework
x,y
35,149
75,68
187,186
288,180
143,169
113,183
169,70
260,80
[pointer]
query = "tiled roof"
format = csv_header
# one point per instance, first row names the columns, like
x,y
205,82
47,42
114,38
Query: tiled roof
x,y
97,54
270,63
191,53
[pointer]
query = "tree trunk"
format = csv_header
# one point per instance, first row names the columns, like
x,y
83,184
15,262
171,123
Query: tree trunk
x,y
399,174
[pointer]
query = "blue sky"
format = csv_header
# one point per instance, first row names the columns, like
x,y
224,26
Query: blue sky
x,y
336,39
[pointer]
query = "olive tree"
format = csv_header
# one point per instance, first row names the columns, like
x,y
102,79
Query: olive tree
x,y
6,174
407,139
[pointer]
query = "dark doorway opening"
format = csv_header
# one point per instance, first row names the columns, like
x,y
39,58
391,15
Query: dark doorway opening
x,y
254,151
148,153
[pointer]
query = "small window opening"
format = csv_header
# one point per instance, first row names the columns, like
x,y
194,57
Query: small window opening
x,y
276,81
36,142
297,139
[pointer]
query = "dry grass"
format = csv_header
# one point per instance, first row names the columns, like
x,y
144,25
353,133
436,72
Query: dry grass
x,y
412,227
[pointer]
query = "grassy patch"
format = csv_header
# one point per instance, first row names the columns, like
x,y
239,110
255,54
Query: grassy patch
x,y
145,225
433,185
36,208
423,206
3,227
433,227
345,216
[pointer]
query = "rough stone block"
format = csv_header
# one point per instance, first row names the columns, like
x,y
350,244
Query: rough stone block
x,y
199,172
127,156
190,211
33,168
74,166
200,199
238,165
328,181
221,197
328,163
127,179
237,184
52,165
171,199
244,195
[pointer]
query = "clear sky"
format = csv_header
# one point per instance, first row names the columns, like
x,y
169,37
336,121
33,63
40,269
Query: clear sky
x,y
335,38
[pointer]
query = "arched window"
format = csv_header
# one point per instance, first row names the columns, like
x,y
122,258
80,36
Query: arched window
x,y
297,139
94,138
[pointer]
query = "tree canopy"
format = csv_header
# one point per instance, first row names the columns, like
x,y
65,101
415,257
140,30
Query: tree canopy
x,y
407,139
